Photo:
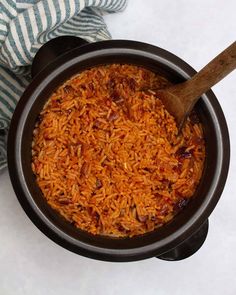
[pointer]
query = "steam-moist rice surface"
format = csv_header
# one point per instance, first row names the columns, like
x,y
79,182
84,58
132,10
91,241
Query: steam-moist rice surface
x,y
106,154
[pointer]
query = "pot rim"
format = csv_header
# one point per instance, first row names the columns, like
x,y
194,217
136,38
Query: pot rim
x,y
15,144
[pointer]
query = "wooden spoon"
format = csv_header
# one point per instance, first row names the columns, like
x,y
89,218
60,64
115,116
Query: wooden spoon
x,y
180,99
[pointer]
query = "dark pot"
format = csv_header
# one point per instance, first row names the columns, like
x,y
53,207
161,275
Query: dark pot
x,y
176,240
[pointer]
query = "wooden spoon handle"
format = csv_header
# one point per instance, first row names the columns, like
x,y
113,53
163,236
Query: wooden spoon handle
x,y
211,74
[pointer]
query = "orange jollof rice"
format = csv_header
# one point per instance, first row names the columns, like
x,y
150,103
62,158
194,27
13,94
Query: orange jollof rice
x,y
107,156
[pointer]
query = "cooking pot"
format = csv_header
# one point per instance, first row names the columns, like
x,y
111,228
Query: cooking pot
x,y
56,62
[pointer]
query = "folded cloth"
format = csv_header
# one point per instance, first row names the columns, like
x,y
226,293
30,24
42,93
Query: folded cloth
x,y
25,25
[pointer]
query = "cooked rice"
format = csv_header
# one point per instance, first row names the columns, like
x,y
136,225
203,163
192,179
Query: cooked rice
x,y
107,156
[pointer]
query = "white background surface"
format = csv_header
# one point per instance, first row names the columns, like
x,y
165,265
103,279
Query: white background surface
x,y
30,263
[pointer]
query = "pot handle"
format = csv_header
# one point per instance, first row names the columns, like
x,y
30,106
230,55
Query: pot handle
x,y
53,49
188,247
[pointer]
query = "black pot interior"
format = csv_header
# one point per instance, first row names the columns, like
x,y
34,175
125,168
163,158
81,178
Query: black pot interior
x,y
37,100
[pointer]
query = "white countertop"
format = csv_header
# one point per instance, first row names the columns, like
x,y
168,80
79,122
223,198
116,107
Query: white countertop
x,y
30,263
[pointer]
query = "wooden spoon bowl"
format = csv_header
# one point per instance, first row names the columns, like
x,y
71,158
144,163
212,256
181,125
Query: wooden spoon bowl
x,y
180,99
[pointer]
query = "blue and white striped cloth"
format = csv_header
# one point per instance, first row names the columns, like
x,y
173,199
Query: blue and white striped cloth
x,y
25,25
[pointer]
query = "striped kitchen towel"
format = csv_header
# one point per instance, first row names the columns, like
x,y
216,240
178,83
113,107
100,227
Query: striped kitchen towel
x,y
25,25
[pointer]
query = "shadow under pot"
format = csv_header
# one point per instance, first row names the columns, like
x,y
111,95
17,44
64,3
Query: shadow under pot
x,y
56,62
